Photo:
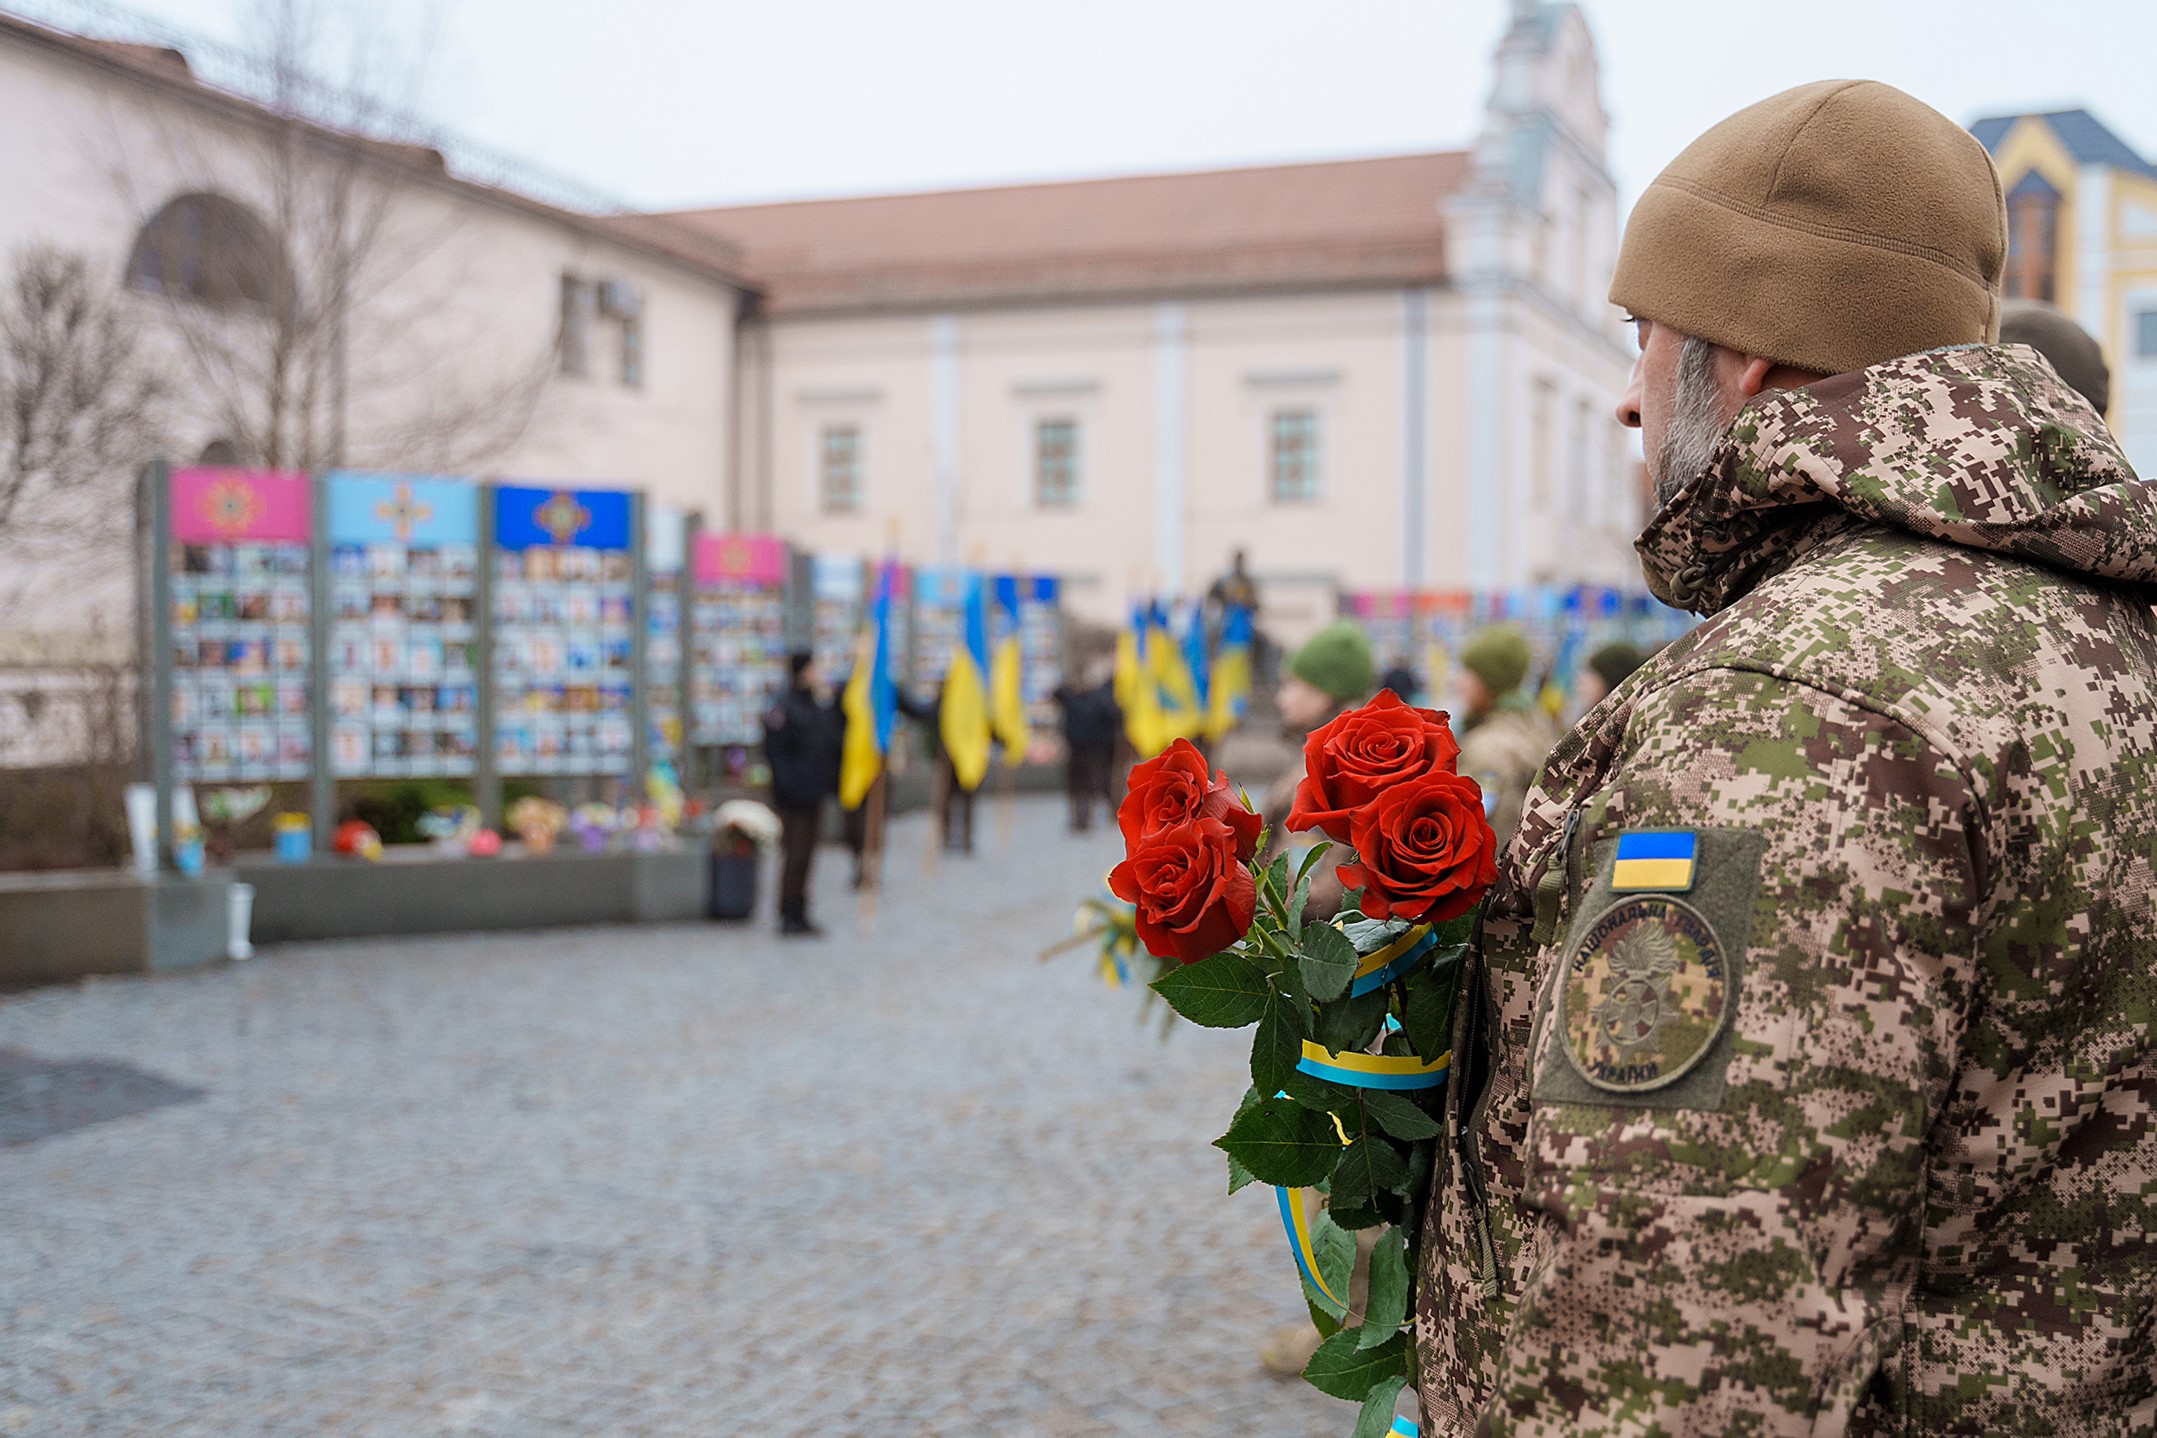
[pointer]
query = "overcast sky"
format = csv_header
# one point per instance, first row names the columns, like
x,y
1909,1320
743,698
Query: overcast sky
x,y
667,103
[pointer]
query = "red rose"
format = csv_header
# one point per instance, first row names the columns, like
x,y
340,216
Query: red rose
x,y
1193,895
1364,753
1174,788
1424,850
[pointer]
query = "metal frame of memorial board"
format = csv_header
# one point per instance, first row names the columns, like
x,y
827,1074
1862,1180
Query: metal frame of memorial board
x,y
666,563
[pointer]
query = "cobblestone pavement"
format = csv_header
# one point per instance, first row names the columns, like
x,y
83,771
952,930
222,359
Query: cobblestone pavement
x,y
662,1180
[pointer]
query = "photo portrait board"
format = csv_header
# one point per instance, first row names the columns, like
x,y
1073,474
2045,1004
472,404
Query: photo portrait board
x,y
240,602
403,589
564,645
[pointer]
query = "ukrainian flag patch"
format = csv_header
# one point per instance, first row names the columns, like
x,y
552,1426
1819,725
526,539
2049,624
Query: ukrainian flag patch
x,y
1655,859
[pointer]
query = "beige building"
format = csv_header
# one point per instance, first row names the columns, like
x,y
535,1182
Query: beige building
x,y
1371,374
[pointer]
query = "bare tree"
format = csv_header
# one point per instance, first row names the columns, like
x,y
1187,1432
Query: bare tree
x,y
310,315
80,408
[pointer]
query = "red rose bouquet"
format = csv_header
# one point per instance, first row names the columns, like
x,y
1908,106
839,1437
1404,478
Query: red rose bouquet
x,y
1353,1015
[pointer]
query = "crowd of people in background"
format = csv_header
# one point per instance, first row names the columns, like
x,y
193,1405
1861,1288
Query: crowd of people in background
x,y
1505,733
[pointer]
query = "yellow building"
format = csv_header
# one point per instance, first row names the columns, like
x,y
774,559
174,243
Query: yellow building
x,y
2082,233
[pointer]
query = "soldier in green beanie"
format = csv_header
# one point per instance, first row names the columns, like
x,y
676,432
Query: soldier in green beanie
x,y
1503,733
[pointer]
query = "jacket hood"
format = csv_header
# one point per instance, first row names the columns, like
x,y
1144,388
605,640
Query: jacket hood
x,y
1979,446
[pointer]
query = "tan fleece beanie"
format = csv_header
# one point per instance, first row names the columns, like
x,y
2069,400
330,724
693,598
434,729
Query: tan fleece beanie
x,y
1830,227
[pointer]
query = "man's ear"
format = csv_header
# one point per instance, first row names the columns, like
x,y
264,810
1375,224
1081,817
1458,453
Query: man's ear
x,y
1753,378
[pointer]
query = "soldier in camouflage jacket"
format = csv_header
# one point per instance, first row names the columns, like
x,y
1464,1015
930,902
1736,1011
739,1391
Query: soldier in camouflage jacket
x,y
1805,1070
1857,1131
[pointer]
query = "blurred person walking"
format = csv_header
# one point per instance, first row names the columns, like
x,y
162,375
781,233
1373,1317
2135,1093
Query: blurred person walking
x,y
800,748
1091,723
1802,1080
1504,734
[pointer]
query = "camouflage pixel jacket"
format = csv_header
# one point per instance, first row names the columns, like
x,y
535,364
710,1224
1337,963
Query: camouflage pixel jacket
x,y
1854,1133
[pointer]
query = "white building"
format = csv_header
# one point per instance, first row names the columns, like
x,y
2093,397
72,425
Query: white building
x,y
480,331
1371,374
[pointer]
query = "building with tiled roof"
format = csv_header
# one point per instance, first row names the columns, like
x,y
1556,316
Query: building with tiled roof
x,y
1392,373
2082,234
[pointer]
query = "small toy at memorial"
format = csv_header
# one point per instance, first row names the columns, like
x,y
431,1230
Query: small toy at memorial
x,y
224,810
536,823
357,839
594,824
486,844
1354,1015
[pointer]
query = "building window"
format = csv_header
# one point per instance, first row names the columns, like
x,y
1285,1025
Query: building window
x,y
1056,478
838,468
2146,334
2033,228
619,301
576,331
1295,456
210,250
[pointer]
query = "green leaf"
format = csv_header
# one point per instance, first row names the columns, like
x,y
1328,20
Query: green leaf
x,y
1427,1016
1335,1249
1371,935
1321,1094
1275,885
1376,1419
1346,1371
1280,1142
1238,1175
1346,1025
1386,1309
1370,1165
1460,931
1398,1115
1327,963
1326,1324
1223,992
1302,895
1356,1218
1279,1044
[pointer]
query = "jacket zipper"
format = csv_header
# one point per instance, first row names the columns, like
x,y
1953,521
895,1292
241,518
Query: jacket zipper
x,y
1471,1042
1470,1095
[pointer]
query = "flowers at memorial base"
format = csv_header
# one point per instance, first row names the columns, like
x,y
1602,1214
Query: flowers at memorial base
x,y
537,822
743,826
1353,1010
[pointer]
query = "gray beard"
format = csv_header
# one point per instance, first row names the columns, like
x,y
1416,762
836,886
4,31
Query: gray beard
x,y
1697,424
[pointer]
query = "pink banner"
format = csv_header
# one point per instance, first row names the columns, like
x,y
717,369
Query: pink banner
x,y
237,506
754,558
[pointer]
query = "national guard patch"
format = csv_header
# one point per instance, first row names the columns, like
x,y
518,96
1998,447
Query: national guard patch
x,y
1645,992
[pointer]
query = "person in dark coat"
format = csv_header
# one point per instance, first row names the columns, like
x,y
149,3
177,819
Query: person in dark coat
x,y
1091,722
797,746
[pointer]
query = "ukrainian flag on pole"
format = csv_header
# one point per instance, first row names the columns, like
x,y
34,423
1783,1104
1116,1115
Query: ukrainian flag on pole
x,y
963,718
1228,689
1138,694
1181,715
1007,674
871,703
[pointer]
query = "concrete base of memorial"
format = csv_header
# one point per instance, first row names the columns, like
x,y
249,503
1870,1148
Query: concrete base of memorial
x,y
57,928
423,893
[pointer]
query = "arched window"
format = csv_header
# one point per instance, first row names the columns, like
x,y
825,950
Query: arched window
x,y
2033,239
208,249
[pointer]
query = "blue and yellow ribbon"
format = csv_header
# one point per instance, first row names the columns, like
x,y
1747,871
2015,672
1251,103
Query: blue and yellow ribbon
x,y
1386,1071
1377,969
1296,1218
1402,1428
